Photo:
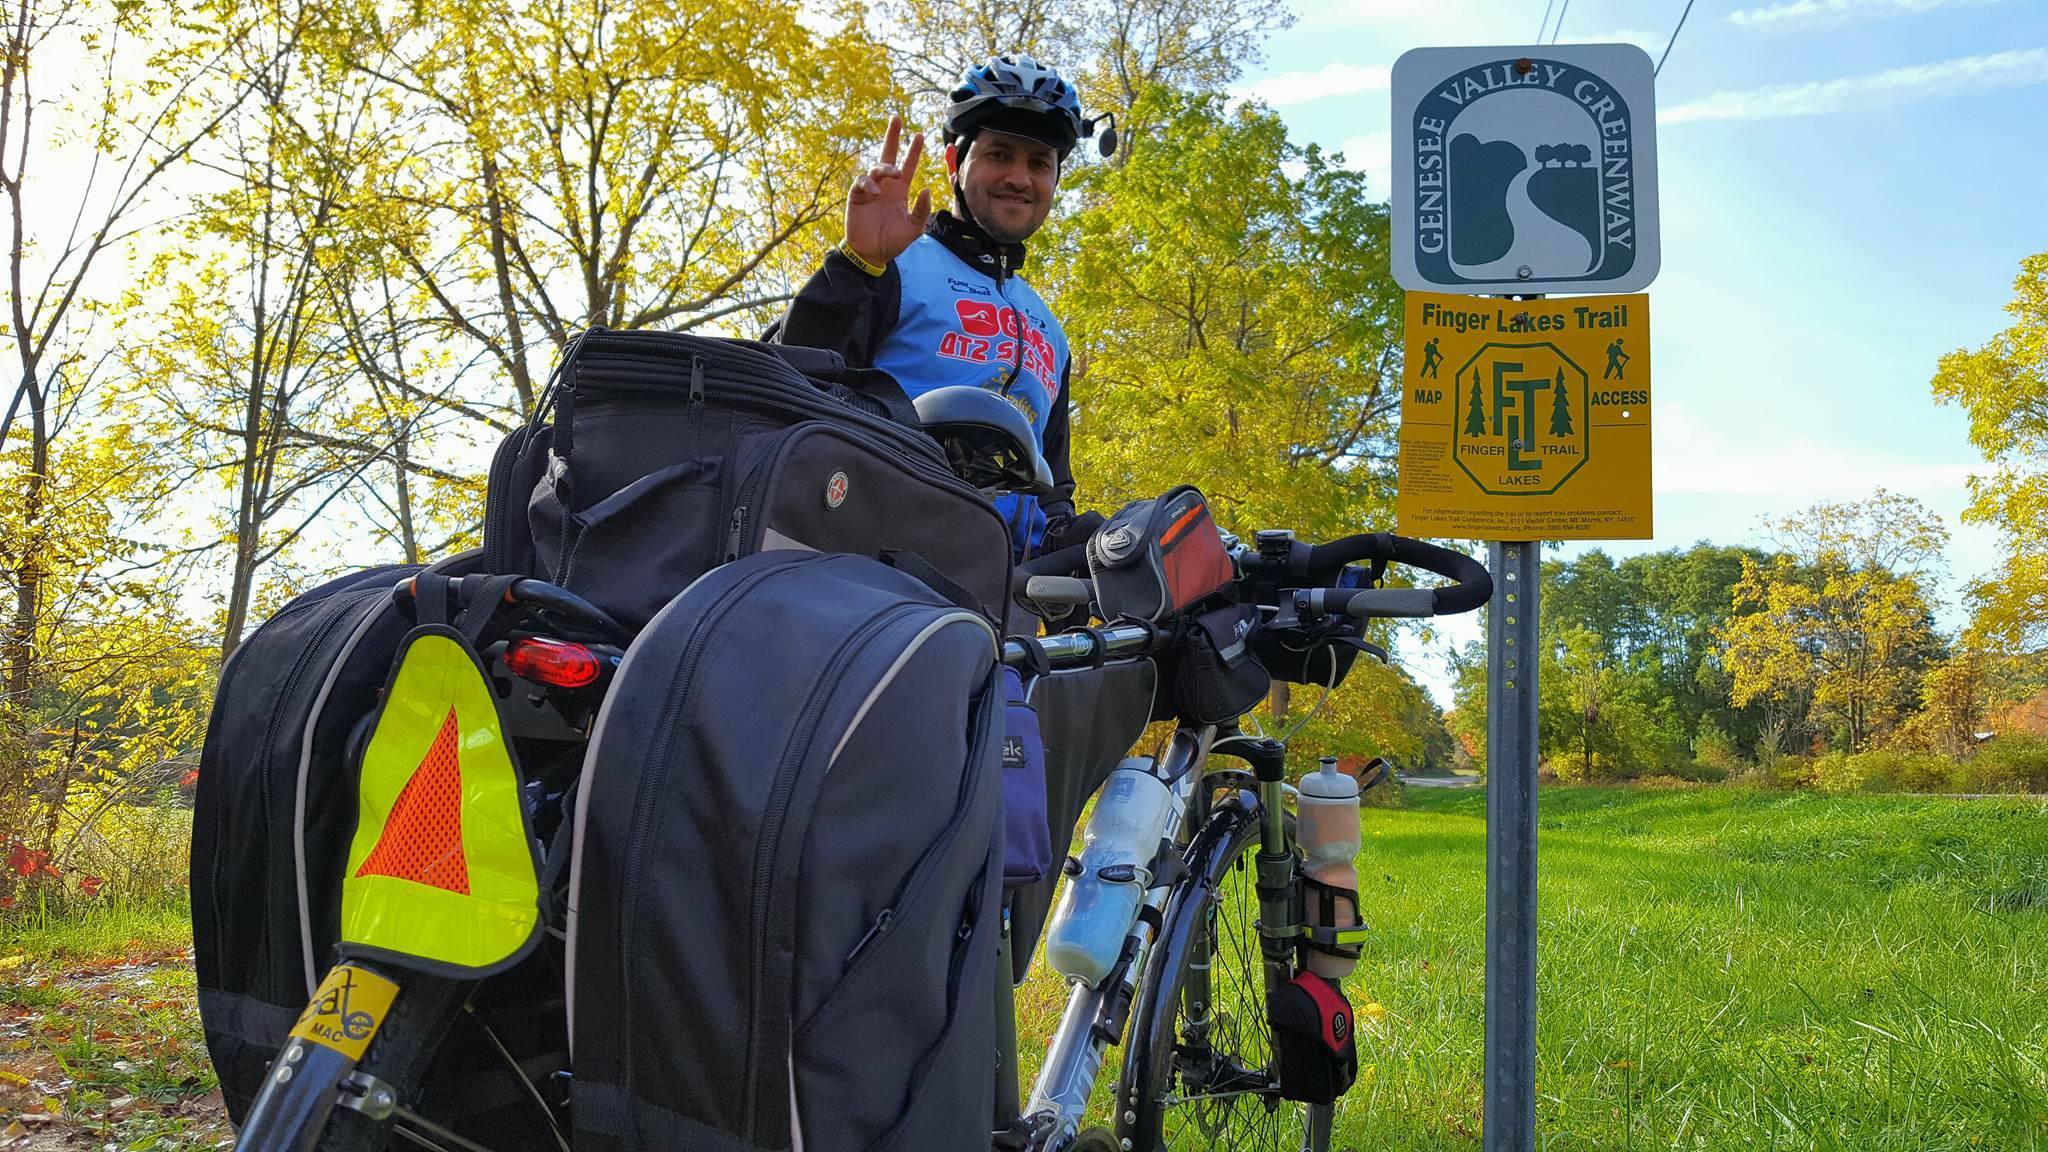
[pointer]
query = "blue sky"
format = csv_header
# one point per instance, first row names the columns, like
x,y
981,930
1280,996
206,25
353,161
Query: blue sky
x,y
1847,187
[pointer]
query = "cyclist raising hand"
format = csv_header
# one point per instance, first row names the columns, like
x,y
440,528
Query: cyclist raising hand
x,y
878,226
934,298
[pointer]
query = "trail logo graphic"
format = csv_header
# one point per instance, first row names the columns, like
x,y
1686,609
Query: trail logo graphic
x,y
1525,170
1522,419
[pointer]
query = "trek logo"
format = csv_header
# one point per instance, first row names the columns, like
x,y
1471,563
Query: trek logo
x,y
1522,418
990,334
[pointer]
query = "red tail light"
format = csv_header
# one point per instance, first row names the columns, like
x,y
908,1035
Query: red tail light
x,y
555,662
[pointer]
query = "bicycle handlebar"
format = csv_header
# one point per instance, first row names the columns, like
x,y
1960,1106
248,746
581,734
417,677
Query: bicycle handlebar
x,y
1321,563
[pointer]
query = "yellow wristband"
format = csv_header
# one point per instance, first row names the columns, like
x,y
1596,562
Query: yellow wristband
x,y
846,250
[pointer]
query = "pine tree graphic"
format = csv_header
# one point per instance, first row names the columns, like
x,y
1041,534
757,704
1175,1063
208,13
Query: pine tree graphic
x,y
1560,409
1475,422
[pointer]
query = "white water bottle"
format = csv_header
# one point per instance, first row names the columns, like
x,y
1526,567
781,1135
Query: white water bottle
x,y
1326,825
1098,907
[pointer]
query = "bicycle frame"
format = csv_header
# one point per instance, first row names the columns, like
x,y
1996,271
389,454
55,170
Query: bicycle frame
x,y
1096,1016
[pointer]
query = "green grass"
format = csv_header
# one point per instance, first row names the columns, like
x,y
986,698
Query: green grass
x,y
1721,969
1718,969
99,1030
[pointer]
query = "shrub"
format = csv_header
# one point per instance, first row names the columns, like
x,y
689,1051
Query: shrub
x,y
2016,762
1882,770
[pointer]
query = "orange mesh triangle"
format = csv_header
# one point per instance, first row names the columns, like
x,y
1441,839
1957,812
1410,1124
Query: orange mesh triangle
x,y
422,839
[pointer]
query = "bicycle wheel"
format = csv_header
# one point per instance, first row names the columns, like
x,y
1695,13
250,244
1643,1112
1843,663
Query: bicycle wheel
x,y
1199,1072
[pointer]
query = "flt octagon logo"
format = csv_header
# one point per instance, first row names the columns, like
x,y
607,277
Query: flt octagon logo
x,y
1523,419
1520,170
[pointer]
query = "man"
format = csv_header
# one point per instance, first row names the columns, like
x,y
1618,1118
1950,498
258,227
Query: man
x,y
934,299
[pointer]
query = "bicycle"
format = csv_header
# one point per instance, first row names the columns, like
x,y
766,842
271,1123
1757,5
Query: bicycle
x,y
1199,1067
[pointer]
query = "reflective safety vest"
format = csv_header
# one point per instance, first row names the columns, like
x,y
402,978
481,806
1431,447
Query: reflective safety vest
x,y
958,325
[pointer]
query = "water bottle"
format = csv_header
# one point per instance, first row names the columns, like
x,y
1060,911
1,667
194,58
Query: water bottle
x,y
1099,905
1326,825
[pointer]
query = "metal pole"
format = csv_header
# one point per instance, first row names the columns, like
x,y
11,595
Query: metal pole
x,y
1511,751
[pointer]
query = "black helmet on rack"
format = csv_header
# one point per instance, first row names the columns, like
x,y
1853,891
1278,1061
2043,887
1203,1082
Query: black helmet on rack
x,y
1016,94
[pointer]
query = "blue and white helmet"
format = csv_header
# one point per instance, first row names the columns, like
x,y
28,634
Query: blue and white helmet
x,y
1016,94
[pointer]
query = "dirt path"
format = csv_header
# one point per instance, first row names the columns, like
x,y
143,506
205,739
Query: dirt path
x,y
104,1053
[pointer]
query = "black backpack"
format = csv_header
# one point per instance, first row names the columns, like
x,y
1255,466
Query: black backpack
x,y
669,454
786,889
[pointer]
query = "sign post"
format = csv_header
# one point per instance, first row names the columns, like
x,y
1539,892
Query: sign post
x,y
1522,170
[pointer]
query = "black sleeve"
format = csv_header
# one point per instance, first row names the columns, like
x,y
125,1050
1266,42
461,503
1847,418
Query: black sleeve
x,y
1061,500
844,309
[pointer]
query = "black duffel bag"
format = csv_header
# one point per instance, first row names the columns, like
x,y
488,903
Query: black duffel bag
x,y
669,454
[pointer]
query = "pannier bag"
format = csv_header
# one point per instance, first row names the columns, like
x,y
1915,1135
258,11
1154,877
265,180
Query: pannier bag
x,y
786,887
1155,557
670,454
274,815
1313,1038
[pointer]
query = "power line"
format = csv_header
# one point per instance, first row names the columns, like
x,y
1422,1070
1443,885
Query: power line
x,y
1562,12
1674,38
1546,20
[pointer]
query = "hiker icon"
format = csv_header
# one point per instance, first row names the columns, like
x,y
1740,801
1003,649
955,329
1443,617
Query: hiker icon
x,y
1431,358
1616,361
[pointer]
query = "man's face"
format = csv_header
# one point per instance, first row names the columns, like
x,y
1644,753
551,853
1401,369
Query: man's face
x,y
1007,182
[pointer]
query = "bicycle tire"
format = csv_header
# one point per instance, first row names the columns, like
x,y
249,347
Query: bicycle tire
x,y
1200,1082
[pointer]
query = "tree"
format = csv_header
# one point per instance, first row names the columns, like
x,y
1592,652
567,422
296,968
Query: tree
x,y
2003,388
632,164
1560,408
1233,325
1475,414
159,82
1838,623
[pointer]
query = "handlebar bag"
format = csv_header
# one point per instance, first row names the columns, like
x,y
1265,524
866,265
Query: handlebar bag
x,y
670,454
1156,557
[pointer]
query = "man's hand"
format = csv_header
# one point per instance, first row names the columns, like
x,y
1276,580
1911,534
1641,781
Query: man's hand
x,y
878,225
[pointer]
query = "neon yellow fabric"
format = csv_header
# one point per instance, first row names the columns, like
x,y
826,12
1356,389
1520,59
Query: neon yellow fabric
x,y
413,886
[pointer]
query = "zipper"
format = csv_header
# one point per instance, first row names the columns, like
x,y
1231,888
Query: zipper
x,y
1002,277
922,872
747,379
788,773
880,926
736,538
694,417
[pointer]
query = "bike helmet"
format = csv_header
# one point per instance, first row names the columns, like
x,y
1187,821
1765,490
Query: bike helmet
x,y
1015,94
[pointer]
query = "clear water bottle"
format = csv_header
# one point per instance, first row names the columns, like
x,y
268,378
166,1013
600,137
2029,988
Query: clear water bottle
x,y
1326,824
1098,907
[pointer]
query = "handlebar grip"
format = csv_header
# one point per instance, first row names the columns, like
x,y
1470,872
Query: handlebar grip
x,y
1474,585
1408,603
1059,590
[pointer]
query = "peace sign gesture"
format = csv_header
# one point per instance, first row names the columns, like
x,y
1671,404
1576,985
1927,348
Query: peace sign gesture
x,y
878,224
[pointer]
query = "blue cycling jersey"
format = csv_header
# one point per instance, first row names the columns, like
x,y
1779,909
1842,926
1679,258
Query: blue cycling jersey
x,y
959,325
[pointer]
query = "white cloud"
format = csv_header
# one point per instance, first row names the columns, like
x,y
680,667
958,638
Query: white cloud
x,y
1373,155
1810,13
1338,79
2015,69
1437,21
1695,459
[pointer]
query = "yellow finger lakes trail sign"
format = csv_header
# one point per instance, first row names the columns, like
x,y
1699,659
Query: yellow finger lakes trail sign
x,y
1526,419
